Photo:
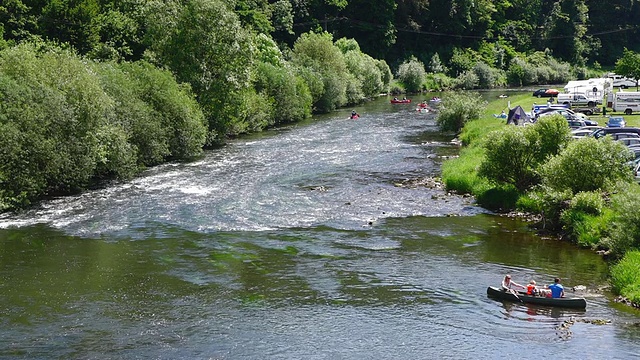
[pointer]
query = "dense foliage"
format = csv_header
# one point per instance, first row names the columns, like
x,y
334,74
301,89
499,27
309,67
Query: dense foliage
x,y
65,122
457,108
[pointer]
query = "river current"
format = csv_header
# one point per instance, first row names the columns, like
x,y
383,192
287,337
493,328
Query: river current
x,y
327,239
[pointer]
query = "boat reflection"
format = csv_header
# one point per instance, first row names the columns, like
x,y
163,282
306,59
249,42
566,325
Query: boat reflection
x,y
537,310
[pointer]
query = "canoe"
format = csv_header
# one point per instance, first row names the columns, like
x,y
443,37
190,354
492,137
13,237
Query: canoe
x,y
567,302
405,101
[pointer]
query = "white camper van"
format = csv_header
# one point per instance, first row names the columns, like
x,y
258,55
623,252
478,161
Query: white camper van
x,y
622,82
627,102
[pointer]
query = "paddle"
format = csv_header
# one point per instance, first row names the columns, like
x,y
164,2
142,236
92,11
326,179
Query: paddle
x,y
515,293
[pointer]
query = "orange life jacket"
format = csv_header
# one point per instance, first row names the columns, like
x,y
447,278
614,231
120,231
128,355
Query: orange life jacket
x,y
531,289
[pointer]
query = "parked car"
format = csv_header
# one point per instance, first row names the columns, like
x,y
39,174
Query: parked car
x,y
630,141
609,130
576,124
569,115
545,93
580,133
587,110
636,153
585,118
591,127
616,121
619,136
636,172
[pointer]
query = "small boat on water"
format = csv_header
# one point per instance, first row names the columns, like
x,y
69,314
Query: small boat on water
x,y
435,100
567,302
403,101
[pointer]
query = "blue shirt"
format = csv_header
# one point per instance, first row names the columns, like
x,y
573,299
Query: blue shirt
x,y
556,290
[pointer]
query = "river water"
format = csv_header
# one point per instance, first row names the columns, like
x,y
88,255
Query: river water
x,y
318,240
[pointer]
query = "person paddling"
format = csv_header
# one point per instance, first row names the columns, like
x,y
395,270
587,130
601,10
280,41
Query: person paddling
x,y
508,285
557,290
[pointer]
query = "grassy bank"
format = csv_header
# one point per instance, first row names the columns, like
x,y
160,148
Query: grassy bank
x,y
599,215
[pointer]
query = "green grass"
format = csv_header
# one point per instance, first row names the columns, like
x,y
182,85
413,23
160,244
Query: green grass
x,y
625,277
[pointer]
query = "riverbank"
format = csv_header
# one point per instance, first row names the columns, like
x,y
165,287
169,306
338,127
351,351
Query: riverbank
x,y
602,219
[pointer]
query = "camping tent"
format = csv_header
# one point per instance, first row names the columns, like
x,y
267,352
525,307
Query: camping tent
x,y
517,116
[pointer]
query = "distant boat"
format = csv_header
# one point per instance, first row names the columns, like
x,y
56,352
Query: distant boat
x,y
403,101
435,100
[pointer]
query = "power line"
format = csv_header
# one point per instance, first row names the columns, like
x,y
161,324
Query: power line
x,y
443,34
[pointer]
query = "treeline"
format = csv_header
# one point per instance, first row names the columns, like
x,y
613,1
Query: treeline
x,y
96,90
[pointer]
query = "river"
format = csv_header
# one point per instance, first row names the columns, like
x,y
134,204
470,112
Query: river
x,y
317,240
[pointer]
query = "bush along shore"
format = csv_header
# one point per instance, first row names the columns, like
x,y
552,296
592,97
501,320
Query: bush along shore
x,y
581,190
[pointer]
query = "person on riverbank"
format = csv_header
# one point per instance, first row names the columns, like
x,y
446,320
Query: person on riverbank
x,y
557,290
508,285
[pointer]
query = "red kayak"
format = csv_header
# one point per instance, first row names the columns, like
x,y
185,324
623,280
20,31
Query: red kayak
x,y
404,101
355,117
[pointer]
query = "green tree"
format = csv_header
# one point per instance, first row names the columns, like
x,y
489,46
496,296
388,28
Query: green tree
x,y
288,93
629,65
73,22
317,53
566,30
204,44
52,121
363,68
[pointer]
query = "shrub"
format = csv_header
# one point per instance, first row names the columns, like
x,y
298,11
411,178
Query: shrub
x,y
467,80
385,74
253,112
176,112
551,135
510,158
435,65
438,82
287,92
489,77
547,202
587,165
499,198
513,153
411,74
625,227
457,109
580,219
363,68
